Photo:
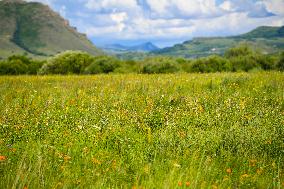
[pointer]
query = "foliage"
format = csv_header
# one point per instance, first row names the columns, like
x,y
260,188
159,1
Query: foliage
x,y
211,64
237,59
221,130
69,62
280,64
103,64
160,65
20,64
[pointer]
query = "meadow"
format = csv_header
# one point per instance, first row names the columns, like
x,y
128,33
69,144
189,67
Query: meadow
x,y
221,130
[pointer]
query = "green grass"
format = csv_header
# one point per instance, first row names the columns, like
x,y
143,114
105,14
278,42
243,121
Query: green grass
x,y
142,131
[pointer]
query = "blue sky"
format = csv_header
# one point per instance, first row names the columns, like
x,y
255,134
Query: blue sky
x,y
166,22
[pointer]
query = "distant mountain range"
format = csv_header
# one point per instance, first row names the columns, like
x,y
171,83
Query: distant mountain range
x,y
34,29
118,48
265,39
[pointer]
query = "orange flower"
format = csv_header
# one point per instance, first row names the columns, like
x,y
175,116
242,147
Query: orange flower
x,y
229,170
179,183
25,187
187,184
3,158
67,158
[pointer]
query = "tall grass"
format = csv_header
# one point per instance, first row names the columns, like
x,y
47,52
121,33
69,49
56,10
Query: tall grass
x,y
142,131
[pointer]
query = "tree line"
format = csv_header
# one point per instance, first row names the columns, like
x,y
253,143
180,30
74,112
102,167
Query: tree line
x,y
240,58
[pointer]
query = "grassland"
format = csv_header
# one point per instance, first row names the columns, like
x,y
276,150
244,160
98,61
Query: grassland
x,y
142,131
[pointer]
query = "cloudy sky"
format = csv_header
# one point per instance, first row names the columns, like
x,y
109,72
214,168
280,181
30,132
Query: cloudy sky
x,y
166,22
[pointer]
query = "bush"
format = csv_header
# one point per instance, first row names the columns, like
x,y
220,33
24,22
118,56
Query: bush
x,y
69,62
14,67
20,64
103,64
244,63
280,64
241,50
160,65
266,62
211,64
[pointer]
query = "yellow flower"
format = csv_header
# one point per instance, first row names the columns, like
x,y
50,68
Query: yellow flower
x,y
66,158
252,163
96,161
259,171
244,176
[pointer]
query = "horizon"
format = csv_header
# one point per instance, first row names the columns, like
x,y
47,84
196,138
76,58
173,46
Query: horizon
x,y
165,22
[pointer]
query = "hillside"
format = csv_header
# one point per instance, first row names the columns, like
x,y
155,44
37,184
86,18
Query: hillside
x,y
119,49
265,39
35,29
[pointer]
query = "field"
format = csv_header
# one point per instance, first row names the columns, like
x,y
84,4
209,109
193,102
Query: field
x,y
222,130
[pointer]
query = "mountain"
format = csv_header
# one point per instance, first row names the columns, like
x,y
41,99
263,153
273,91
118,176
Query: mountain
x,y
34,29
264,38
118,48
145,47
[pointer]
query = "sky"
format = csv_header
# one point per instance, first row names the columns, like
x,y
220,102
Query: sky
x,y
166,22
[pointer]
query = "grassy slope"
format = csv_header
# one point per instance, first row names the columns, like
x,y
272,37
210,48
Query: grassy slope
x,y
266,39
36,29
122,131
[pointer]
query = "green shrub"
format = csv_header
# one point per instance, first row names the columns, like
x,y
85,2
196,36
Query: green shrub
x,y
211,64
13,67
280,64
69,62
241,50
103,64
160,65
20,64
244,63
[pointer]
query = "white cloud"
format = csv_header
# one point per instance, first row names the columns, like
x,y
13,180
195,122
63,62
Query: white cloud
x,y
275,6
168,19
103,5
184,8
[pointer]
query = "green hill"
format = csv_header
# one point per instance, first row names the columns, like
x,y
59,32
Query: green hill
x,y
35,29
265,39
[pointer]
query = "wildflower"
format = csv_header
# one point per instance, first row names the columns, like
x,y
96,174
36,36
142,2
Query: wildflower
x,y
252,163
96,161
177,165
229,170
67,158
244,176
179,183
259,171
25,187
214,186
187,184
3,158
13,149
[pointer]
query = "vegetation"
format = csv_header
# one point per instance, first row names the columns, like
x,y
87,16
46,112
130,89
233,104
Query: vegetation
x,y
240,58
221,130
33,28
17,65
266,39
